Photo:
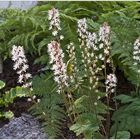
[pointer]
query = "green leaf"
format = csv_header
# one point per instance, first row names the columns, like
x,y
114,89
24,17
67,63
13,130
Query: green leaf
x,y
87,124
43,43
121,135
43,59
124,98
2,84
8,114
83,128
49,109
80,103
9,96
127,117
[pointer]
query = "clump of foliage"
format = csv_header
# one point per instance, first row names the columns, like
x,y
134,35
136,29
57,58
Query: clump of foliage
x,y
8,98
80,103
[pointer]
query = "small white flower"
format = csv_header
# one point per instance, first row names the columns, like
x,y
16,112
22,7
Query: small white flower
x,y
29,99
69,96
28,75
136,47
106,51
21,78
61,37
108,60
34,97
91,80
101,46
135,64
98,97
100,56
103,66
92,54
43,113
96,90
95,103
54,33
38,100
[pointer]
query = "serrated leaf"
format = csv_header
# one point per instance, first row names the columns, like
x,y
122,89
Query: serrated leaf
x,y
127,117
124,98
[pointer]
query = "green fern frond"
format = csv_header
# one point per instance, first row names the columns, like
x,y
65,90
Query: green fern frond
x,y
49,109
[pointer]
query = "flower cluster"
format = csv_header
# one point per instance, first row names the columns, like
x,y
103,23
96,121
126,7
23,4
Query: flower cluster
x,y
136,52
56,58
82,31
82,28
20,64
91,44
53,17
88,47
104,39
91,41
111,83
104,34
73,61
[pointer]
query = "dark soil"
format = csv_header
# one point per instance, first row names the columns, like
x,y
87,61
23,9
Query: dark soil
x,y
123,86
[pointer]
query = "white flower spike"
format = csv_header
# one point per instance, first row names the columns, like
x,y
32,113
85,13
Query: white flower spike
x,y
58,66
21,66
53,17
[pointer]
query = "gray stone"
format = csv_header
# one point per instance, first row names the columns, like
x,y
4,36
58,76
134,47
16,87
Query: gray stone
x,y
24,127
18,4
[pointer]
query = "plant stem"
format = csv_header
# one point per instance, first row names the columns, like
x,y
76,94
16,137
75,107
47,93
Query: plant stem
x,y
108,117
99,121
137,87
108,100
66,105
1,65
71,103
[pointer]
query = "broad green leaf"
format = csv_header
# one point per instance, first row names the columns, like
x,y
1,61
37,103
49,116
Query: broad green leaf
x,y
9,96
121,135
81,102
8,114
87,124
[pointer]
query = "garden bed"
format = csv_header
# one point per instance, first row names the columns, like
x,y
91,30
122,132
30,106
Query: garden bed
x,y
72,68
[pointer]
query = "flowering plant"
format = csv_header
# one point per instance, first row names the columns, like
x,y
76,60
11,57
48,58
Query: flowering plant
x,y
82,83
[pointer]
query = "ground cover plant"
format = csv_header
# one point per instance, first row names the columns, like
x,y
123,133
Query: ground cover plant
x,y
76,65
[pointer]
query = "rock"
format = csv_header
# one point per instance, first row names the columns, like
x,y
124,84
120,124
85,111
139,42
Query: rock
x,y
18,4
24,127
